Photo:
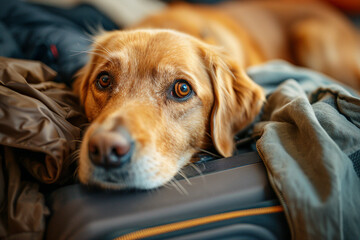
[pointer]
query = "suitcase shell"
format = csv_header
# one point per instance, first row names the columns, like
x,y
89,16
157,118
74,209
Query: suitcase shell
x,y
231,199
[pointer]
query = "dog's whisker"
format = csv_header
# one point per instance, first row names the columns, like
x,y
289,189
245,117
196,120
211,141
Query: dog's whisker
x,y
183,190
181,173
198,171
100,55
76,171
104,48
96,53
75,156
175,186
195,168
75,152
208,135
78,52
179,187
76,141
167,185
89,39
92,40
102,51
208,152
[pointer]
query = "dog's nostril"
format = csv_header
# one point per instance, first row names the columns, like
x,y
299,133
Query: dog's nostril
x,y
118,155
109,149
95,154
121,150
93,149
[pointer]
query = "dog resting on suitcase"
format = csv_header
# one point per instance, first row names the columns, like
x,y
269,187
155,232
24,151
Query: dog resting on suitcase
x,y
176,84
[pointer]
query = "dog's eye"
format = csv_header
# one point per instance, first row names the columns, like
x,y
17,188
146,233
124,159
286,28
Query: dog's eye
x,y
103,80
181,89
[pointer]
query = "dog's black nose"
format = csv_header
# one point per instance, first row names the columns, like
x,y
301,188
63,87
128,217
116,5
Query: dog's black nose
x,y
110,149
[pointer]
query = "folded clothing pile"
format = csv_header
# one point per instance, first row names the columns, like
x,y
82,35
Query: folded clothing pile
x,y
40,129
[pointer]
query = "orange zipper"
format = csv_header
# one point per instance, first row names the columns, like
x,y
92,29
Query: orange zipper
x,y
172,227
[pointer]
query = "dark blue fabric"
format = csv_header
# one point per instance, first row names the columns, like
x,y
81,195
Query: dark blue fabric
x,y
33,32
85,16
8,45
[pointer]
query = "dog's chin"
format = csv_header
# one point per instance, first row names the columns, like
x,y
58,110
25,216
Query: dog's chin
x,y
100,180
132,176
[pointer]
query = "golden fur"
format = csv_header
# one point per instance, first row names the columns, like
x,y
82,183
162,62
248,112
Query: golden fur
x,y
210,51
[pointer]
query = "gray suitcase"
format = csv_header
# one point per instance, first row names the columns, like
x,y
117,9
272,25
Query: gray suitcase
x,y
231,199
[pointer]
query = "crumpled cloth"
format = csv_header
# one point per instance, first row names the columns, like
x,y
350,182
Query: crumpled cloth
x,y
39,130
309,140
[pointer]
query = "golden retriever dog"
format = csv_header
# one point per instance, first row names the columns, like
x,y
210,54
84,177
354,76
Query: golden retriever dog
x,y
175,84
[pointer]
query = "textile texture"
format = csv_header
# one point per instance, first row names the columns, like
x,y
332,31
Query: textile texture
x,y
309,140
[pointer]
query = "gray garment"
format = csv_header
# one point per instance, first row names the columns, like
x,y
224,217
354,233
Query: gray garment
x,y
309,140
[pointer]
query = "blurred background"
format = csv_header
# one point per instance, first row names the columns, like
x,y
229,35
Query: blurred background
x,y
58,32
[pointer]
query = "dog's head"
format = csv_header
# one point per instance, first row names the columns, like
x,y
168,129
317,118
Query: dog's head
x,y
156,97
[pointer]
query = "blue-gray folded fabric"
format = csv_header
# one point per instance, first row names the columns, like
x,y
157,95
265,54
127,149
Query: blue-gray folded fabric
x,y
309,140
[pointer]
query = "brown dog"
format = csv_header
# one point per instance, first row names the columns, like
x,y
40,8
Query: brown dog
x,y
176,83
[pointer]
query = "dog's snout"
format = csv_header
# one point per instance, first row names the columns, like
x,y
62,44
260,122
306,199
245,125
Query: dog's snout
x,y
110,149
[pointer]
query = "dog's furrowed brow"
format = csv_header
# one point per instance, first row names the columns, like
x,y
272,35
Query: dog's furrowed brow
x,y
119,60
172,73
166,70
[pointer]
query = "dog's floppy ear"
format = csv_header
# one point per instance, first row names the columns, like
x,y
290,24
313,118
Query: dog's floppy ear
x,y
237,99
